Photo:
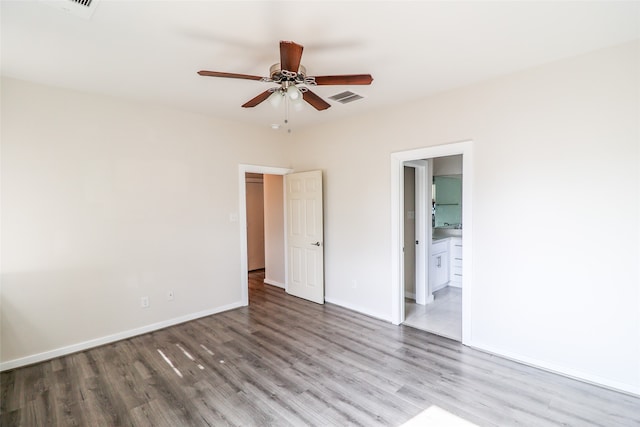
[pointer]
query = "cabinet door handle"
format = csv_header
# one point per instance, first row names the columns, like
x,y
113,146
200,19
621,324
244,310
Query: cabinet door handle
x,y
439,261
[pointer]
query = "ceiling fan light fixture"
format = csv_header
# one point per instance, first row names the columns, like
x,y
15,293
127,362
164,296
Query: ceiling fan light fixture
x,y
291,80
294,93
297,104
275,99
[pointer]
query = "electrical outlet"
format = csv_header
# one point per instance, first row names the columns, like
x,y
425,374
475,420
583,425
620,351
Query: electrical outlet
x,y
170,295
144,302
354,284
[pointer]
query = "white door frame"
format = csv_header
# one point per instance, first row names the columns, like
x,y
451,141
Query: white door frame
x,y
397,226
242,219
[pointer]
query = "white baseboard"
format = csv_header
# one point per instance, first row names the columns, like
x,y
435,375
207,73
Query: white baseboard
x,y
62,351
359,309
274,283
559,369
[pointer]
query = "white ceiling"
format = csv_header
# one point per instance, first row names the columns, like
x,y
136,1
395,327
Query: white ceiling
x,y
151,50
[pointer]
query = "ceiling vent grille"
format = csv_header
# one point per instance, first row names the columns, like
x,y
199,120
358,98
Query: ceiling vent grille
x,y
82,8
345,97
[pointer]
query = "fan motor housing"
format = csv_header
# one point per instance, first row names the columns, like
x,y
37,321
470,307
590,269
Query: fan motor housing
x,y
279,75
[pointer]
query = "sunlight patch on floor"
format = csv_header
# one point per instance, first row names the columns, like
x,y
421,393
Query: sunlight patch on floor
x,y
437,417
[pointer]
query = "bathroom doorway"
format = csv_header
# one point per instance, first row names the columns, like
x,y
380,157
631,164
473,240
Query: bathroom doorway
x,y
441,311
446,249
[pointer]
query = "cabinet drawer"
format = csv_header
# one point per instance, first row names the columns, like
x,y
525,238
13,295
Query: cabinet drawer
x,y
456,262
456,251
456,248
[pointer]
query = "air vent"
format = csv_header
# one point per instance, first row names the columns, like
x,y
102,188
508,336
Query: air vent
x,y
82,8
345,97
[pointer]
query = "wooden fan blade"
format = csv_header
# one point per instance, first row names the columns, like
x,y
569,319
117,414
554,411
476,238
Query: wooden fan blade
x,y
228,75
315,101
290,55
346,79
257,100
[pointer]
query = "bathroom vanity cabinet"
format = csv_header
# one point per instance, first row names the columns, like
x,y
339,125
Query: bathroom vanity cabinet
x,y
445,264
439,264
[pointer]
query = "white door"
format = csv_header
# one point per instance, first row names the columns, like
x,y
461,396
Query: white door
x,y
305,249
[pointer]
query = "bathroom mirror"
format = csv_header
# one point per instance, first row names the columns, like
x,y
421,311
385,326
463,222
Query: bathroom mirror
x,y
447,201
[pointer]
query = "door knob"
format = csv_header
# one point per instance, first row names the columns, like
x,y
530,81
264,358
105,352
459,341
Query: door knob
x,y
316,244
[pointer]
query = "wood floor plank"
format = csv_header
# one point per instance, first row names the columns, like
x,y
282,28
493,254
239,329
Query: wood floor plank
x,y
283,361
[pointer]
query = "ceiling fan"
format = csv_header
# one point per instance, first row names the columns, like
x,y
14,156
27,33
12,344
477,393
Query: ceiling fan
x,y
292,79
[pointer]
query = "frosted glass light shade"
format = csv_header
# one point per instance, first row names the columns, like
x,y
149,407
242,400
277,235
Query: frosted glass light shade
x,y
294,93
297,104
275,99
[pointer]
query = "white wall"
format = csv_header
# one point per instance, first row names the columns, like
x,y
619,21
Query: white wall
x,y
555,209
105,201
274,230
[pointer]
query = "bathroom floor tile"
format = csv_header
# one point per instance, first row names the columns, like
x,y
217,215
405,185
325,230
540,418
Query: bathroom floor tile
x,y
442,317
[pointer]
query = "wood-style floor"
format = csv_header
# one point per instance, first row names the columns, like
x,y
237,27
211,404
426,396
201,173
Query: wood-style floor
x,y
286,362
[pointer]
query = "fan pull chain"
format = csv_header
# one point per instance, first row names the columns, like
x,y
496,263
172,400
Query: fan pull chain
x,y
286,113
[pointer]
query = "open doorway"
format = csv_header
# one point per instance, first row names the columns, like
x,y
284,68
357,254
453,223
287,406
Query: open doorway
x,y
303,254
422,159
261,223
265,226
441,311
265,230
